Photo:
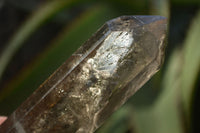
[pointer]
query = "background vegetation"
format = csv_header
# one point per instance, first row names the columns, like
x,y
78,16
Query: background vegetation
x,y
36,37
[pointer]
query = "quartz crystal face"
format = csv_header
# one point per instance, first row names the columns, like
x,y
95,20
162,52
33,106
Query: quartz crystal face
x,y
96,80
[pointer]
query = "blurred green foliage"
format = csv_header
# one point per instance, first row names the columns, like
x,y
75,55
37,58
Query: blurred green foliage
x,y
167,103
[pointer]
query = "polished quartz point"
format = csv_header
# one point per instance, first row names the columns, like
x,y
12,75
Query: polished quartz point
x,y
96,80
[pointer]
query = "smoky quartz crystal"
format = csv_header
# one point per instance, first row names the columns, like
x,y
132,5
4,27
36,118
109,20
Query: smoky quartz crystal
x,y
96,80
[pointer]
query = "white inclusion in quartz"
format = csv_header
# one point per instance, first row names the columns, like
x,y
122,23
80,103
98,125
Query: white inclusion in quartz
x,y
114,47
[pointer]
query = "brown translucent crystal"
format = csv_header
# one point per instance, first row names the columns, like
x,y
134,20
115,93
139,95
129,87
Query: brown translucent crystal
x,y
96,80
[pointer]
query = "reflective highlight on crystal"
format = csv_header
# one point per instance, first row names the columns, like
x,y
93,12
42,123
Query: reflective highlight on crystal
x,y
115,46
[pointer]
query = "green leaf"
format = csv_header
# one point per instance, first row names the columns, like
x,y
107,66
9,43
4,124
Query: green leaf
x,y
191,64
160,7
39,18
